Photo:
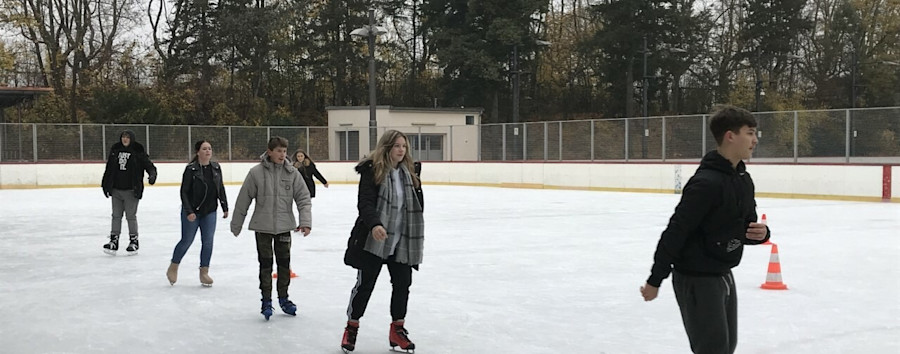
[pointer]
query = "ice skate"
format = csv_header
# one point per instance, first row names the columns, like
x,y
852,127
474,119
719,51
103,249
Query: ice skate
x,y
348,343
399,338
132,248
112,246
266,308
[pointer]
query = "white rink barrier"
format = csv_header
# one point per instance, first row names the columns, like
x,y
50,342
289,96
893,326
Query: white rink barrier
x,y
806,181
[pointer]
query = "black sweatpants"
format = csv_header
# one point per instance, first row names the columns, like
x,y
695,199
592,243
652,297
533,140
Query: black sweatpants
x,y
281,245
709,311
366,276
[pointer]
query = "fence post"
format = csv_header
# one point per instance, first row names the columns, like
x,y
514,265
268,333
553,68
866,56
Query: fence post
x,y
478,141
626,139
81,140
503,153
847,137
703,131
230,158
103,148
592,140
2,135
524,141
268,135
147,134
189,142
450,143
560,141
546,140
796,136
307,140
34,144
664,138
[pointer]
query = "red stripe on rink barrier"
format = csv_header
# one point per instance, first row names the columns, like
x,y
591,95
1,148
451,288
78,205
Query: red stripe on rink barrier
x,y
886,184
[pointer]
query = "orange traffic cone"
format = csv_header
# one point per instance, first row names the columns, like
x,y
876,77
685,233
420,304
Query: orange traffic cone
x,y
763,221
773,278
275,275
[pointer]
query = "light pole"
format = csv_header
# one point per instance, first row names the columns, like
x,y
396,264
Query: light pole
x,y
516,83
370,32
645,83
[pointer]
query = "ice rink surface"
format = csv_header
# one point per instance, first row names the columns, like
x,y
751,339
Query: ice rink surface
x,y
505,271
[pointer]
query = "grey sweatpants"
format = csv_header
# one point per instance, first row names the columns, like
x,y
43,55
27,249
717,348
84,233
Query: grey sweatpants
x,y
709,311
124,201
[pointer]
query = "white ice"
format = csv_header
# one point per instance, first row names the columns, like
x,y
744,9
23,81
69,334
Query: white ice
x,y
505,271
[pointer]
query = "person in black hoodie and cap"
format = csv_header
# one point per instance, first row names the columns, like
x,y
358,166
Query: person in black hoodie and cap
x,y
706,235
123,180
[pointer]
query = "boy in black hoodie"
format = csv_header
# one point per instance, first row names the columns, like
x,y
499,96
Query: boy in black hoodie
x,y
706,235
123,180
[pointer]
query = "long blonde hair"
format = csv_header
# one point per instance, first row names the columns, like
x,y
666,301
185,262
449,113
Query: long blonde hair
x,y
381,157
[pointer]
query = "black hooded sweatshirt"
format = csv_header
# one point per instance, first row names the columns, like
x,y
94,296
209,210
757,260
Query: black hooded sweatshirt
x,y
706,234
125,166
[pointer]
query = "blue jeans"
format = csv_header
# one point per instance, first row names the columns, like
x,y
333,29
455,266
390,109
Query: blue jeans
x,y
207,225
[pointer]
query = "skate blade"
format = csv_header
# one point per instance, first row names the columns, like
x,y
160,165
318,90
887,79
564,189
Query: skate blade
x,y
345,350
134,253
409,351
206,285
109,252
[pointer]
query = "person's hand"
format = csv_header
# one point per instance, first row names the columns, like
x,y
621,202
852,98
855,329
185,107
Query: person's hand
x,y
379,233
152,180
756,231
225,215
105,193
326,185
649,292
191,217
304,230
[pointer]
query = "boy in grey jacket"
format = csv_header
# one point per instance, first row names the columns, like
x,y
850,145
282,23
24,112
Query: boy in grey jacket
x,y
274,183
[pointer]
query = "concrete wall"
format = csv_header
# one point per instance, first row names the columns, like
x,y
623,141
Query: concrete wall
x,y
838,182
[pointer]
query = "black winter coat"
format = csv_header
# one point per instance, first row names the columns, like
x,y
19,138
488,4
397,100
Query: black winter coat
x,y
706,234
367,204
194,187
139,162
308,172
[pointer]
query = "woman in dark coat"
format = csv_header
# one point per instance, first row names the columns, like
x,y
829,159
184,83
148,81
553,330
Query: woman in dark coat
x,y
307,168
389,231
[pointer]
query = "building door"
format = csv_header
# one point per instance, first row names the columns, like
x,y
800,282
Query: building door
x,y
348,145
427,147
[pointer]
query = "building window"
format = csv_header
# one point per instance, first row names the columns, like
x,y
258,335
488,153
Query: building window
x,y
427,147
348,145
470,120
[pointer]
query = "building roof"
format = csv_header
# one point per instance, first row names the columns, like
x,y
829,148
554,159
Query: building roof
x,y
477,110
11,96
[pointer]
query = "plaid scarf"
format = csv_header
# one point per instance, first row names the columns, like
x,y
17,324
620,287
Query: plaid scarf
x,y
412,225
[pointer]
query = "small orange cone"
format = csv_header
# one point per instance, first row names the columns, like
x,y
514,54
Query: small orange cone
x,y
763,221
275,275
773,278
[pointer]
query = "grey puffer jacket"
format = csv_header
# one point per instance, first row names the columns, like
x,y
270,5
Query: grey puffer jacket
x,y
275,188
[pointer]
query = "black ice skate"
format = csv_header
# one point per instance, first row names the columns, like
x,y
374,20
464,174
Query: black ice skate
x,y
132,248
113,246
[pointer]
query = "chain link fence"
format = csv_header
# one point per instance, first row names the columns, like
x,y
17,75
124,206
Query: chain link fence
x,y
860,136
869,135
91,142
